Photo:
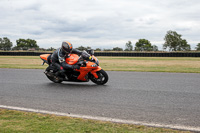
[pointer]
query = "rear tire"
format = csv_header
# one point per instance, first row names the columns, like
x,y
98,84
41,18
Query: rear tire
x,y
50,73
102,77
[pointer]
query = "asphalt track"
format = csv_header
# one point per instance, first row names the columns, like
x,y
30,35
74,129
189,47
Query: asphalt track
x,y
146,97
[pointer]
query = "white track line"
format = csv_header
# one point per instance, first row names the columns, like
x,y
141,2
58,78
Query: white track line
x,y
179,127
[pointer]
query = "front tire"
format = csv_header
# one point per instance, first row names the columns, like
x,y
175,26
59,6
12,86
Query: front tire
x,y
102,77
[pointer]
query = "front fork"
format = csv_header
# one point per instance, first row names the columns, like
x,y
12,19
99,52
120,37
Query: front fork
x,y
93,72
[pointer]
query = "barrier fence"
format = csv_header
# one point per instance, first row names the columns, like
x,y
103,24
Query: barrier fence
x,y
128,54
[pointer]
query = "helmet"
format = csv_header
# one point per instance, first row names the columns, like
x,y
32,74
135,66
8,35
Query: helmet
x,y
66,47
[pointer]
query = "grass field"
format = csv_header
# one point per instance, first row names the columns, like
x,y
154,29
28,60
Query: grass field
x,y
25,122
140,64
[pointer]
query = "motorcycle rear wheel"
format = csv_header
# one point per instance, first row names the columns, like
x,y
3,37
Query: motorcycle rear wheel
x,y
51,75
102,77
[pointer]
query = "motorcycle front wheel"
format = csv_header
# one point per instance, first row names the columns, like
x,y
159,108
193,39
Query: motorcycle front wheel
x,y
102,77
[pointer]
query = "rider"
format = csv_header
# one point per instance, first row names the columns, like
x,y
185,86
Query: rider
x,y
59,56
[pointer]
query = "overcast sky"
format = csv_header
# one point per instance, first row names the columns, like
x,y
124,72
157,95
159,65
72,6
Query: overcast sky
x,y
99,23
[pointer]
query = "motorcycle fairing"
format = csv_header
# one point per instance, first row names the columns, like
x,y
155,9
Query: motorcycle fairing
x,y
44,57
89,68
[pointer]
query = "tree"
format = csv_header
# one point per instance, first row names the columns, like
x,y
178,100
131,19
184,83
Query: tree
x,y
31,43
184,46
50,49
5,44
97,49
174,42
129,46
143,45
88,47
117,49
198,47
107,49
15,48
25,44
155,48
81,48
21,44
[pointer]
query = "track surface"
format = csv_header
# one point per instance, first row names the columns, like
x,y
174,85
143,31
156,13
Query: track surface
x,y
166,98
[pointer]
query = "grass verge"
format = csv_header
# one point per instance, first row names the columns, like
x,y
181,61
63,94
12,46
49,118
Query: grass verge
x,y
139,64
19,122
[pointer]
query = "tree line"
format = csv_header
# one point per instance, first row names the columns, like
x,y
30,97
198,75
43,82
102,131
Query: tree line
x,y
173,42
22,44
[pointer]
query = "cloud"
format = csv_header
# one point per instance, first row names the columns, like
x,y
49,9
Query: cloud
x,y
99,23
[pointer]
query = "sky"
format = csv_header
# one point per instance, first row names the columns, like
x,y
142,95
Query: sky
x,y
99,23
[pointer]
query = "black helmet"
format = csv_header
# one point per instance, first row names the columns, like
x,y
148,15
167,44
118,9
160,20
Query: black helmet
x,y
66,47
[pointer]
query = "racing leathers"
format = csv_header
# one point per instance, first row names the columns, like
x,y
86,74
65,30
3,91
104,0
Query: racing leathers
x,y
58,59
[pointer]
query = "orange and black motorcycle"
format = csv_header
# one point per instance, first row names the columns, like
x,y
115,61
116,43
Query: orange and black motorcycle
x,y
89,69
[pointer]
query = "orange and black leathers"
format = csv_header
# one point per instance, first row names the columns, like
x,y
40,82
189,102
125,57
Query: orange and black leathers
x,y
58,59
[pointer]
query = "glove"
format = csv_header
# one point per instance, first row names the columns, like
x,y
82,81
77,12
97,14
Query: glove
x,y
75,67
90,58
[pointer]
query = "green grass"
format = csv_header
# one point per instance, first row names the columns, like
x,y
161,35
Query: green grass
x,y
26,122
152,58
151,64
139,64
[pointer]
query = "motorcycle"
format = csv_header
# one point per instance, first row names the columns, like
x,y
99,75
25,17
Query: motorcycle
x,y
89,69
